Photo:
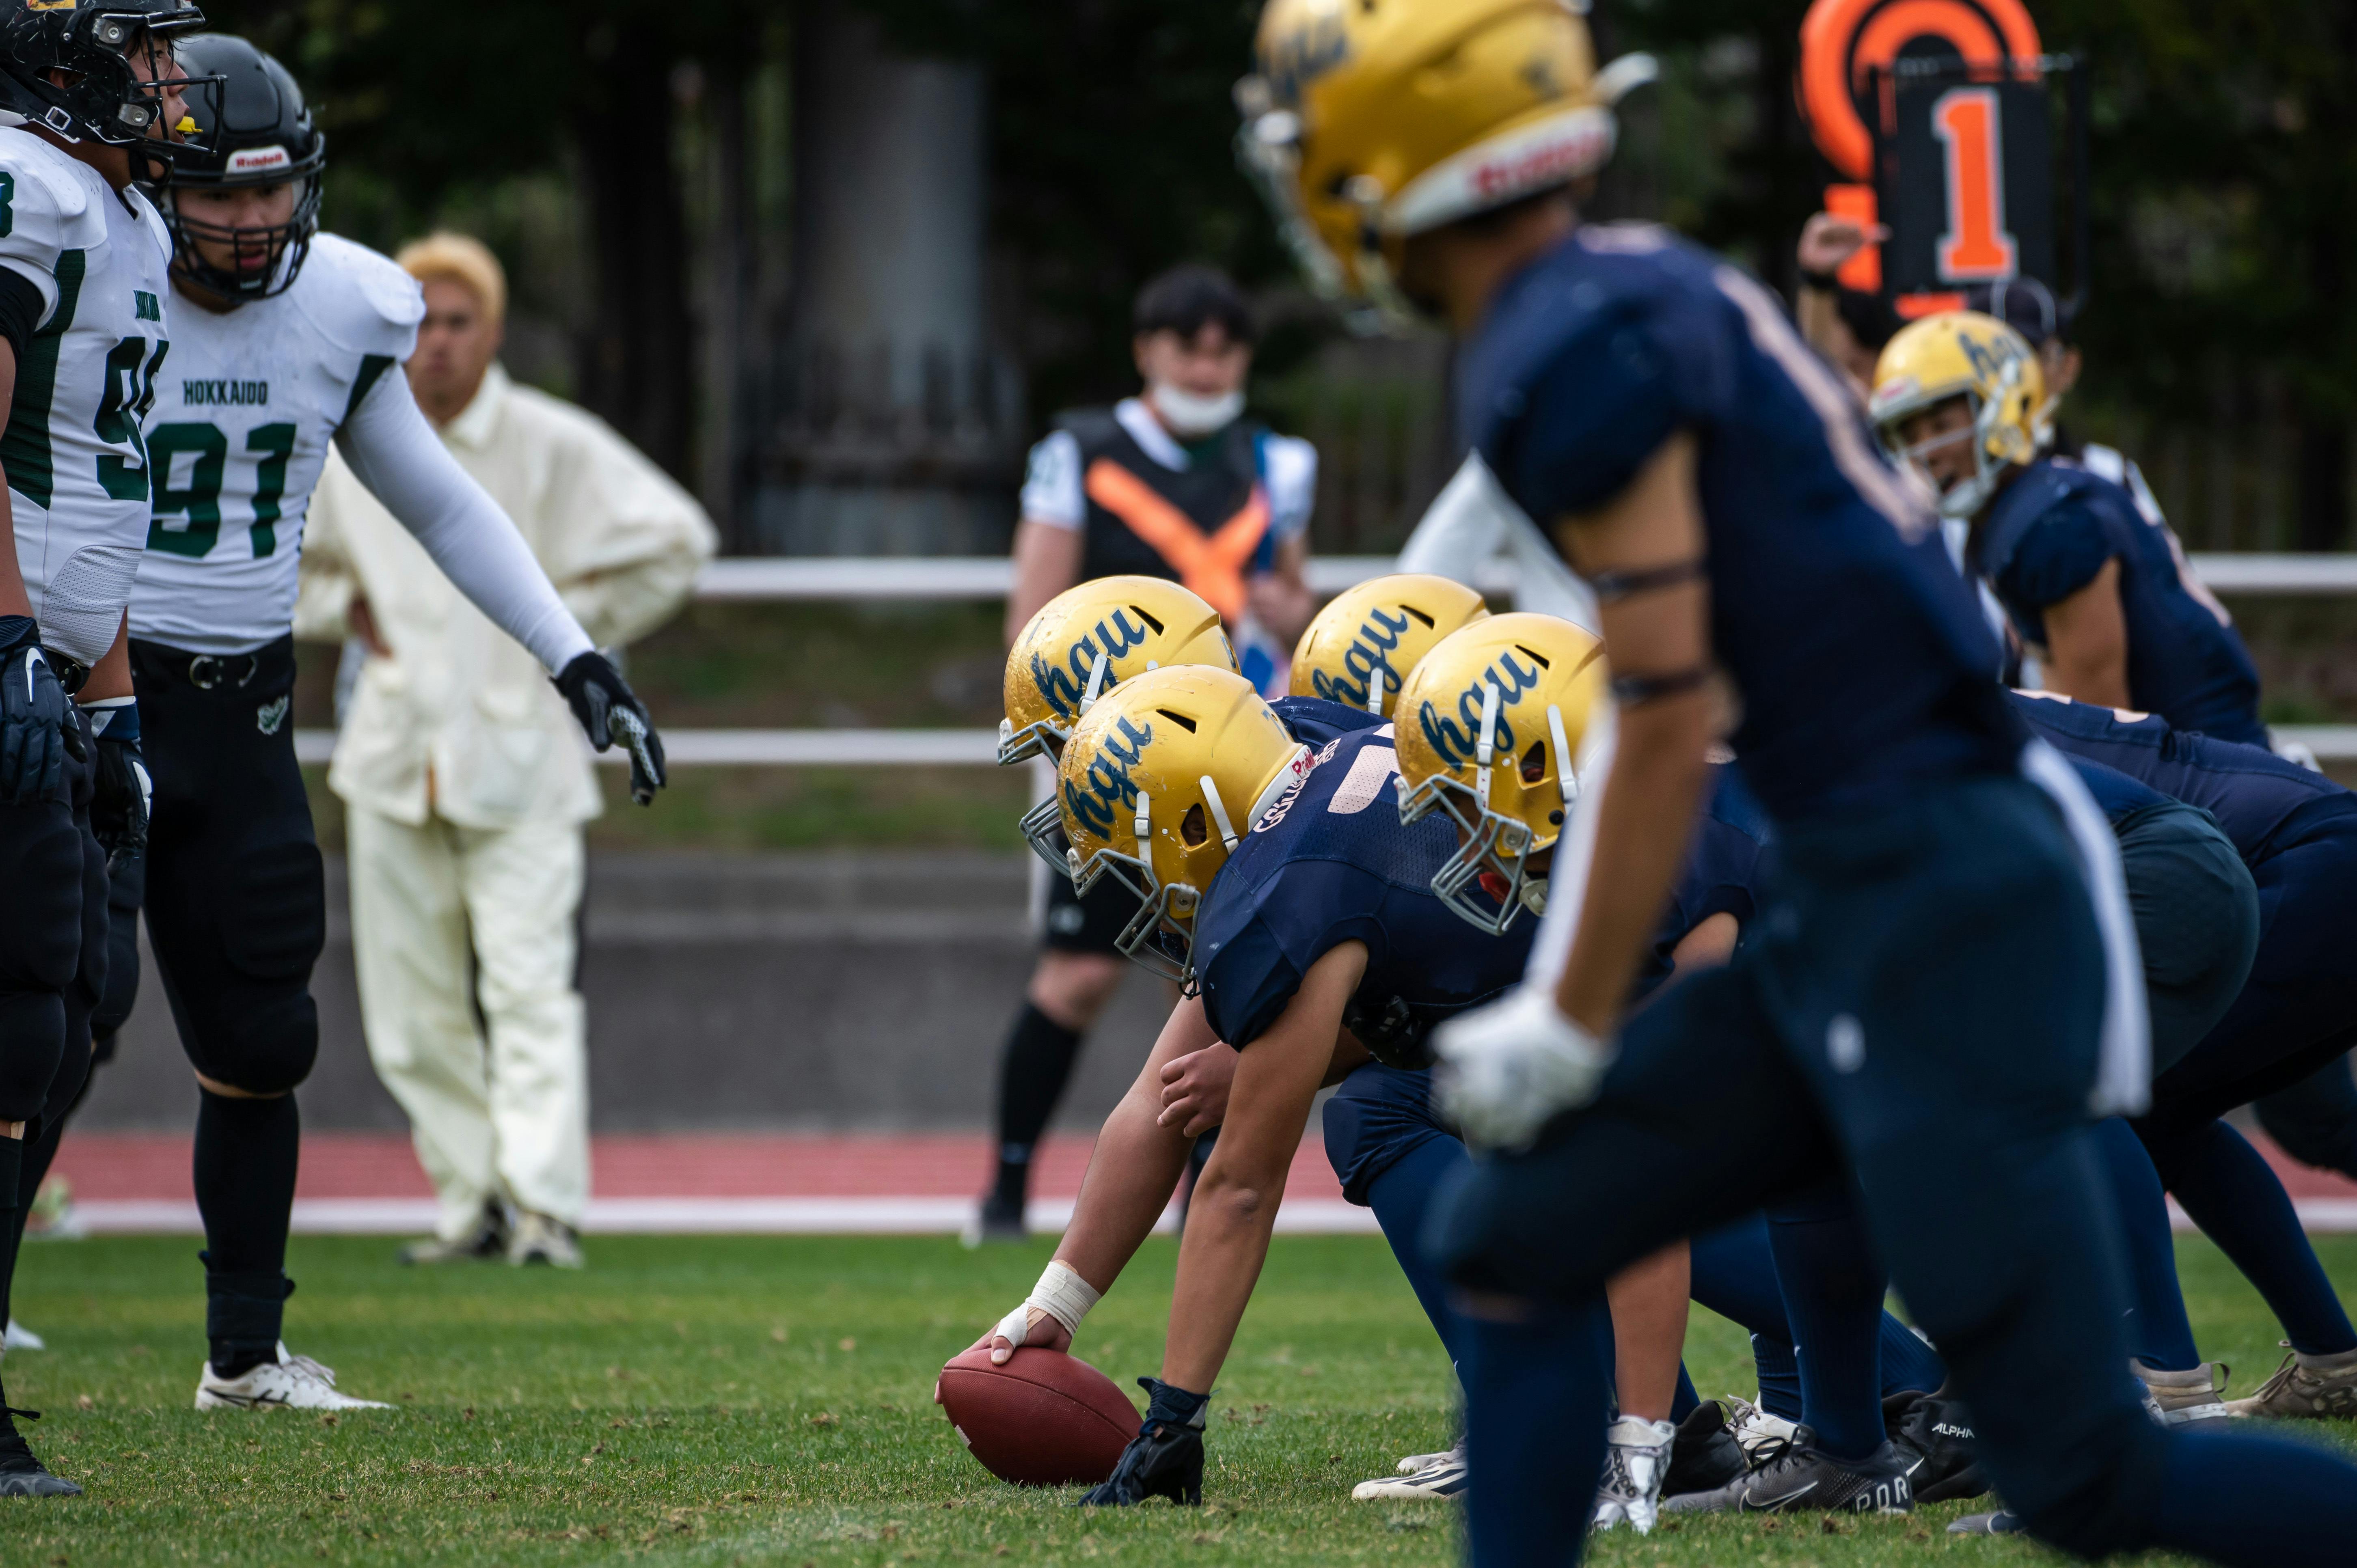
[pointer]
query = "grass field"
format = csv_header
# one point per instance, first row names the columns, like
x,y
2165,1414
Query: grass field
x,y
723,1401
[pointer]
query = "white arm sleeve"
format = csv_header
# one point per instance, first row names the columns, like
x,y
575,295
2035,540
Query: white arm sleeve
x,y
396,455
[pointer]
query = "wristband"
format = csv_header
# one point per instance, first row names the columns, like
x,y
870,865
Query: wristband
x,y
1061,1293
1823,283
117,718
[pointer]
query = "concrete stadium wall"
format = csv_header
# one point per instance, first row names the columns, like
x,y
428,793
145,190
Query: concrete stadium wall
x,y
808,992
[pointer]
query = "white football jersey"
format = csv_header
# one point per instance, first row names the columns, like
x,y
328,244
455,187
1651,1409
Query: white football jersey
x,y
239,432
77,468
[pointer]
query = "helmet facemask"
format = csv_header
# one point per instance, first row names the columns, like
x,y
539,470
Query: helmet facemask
x,y
279,247
1490,880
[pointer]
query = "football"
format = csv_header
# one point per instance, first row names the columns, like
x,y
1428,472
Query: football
x,y
1044,1419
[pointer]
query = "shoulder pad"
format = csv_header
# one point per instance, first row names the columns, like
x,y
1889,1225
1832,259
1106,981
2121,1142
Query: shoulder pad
x,y
51,205
359,300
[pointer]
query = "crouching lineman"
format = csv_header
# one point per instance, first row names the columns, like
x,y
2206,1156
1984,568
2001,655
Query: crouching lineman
x,y
1652,407
82,260
289,339
1322,931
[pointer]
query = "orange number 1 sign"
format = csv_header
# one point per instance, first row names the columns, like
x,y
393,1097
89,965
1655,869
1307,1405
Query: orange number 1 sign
x,y
1977,246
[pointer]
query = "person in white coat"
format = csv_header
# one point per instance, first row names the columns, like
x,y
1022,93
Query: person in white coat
x,y
465,782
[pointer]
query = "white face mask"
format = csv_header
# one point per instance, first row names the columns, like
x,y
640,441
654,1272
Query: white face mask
x,y
1191,415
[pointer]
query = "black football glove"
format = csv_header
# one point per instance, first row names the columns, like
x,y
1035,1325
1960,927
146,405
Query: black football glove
x,y
123,791
1164,1459
33,717
610,713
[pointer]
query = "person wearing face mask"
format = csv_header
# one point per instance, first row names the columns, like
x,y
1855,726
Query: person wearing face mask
x,y
1173,483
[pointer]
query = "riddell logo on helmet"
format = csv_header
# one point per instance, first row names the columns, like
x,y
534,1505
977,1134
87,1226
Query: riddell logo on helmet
x,y
258,160
1575,155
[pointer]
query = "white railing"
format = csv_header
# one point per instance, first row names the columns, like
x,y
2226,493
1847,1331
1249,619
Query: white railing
x,y
801,579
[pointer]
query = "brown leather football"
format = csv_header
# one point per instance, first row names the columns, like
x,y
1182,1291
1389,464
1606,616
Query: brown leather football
x,y
1044,1419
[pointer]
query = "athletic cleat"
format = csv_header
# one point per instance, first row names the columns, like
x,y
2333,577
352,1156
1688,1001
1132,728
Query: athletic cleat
x,y
1414,1462
21,1475
486,1243
20,1337
993,1220
2180,1399
1443,1478
1939,1433
1998,1524
1761,1435
1800,1478
291,1382
1705,1456
2305,1388
540,1240
1636,1462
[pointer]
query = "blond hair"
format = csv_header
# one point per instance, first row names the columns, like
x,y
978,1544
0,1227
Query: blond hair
x,y
463,260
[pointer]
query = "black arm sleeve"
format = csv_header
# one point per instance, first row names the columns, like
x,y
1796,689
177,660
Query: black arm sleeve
x,y
20,310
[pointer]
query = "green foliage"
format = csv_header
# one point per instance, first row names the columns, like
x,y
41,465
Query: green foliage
x,y
728,1399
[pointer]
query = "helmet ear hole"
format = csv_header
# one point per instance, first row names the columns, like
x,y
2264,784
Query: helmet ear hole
x,y
1534,763
1193,830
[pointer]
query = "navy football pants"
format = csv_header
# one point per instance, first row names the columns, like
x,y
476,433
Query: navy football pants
x,y
1921,1008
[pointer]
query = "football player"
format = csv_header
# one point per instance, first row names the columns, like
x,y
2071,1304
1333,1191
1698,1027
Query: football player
x,y
99,103
1707,472
1331,877
1360,649
287,339
2095,587
2298,832
1076,647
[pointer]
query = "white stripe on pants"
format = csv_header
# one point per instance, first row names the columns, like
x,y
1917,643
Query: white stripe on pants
x,y
443,918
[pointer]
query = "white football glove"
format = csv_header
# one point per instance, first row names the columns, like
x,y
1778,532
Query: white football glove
x,y
1505,1070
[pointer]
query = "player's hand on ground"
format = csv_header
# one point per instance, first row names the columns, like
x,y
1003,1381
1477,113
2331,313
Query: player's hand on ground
x,y
1195,1090
1827,242
1042,1331
1505,1070
611,714
33,722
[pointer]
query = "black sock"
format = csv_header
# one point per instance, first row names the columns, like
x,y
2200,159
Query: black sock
x,y
1031,1078
245,1160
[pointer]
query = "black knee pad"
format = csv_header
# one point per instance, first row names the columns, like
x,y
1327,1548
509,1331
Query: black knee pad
x,y
270,1048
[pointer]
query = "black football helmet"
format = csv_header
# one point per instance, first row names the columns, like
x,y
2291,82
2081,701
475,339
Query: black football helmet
x,y
103,100
253,129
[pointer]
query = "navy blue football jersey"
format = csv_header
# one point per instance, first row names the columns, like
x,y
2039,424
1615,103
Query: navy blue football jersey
x,y
1723,868
1314,720
1865,665
2263,802
2118,796
1332,862
2045,537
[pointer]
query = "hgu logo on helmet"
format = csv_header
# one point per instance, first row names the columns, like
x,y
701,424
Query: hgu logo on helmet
x,y
1368,653
1455,740
1995,359
1110,788
1061,689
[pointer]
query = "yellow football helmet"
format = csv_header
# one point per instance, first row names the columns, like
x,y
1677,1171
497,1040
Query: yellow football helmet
x,y
1963,353
1160,783
1365,123
1361,648
1084,641
1494,726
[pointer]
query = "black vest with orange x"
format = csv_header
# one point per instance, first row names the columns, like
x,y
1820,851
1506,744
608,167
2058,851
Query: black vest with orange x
x,y
1206,527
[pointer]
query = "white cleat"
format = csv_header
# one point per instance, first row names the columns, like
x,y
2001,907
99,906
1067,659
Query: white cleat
x,y
1761,1435
2180,1399
291,1382
1441,1478
1414,1462
20,1337
1636,1462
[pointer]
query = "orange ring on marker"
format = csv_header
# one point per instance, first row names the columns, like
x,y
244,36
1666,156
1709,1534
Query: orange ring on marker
x,y
1841,39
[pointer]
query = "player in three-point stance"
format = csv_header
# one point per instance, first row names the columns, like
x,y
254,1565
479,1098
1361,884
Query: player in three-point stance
x,y
1652,407
289,339
82,260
